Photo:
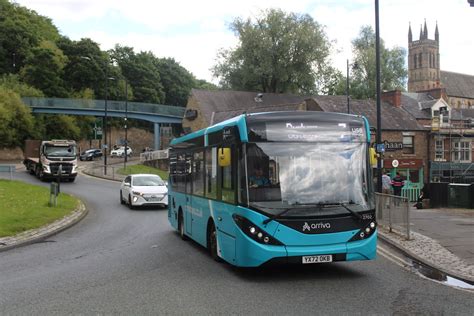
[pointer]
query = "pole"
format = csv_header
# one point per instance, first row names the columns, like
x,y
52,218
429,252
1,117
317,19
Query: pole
x,y
105,119
126,118
379,127
347,88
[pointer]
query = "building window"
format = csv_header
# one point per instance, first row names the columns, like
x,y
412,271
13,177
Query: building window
x,y
461,151
420,62
439,150
414,61
408,145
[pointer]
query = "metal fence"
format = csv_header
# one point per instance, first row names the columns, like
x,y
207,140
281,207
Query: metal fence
x,y
108,172
154,155
393,211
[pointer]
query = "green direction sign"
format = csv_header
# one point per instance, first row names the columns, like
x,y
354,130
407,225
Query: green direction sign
x,y
97,130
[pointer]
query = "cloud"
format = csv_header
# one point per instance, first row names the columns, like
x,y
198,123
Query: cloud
x,y
193,31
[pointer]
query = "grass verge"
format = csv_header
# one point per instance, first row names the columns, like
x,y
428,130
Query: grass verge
x,y
25,206
134,169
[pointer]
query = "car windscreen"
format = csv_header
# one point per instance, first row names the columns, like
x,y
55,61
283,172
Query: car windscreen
x,y
146,181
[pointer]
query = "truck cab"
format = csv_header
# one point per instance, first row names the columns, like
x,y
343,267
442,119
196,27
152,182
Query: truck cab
x,y
52,159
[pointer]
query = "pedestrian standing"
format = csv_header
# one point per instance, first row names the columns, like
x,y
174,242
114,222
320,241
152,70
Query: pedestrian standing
x,y
397,185
386,184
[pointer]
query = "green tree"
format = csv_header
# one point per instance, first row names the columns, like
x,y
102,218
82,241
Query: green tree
x,y
13,83
16,121
393,73
141,72
43,69
21,30
278,52
176,80
51,126
205,85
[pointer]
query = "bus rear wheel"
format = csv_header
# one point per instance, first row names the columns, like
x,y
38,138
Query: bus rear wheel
x,y
212,242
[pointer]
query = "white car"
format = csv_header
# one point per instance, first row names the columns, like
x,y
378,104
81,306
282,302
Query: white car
x,y
120,152
143,189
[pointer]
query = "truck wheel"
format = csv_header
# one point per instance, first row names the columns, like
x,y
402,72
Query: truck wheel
x,y
41,175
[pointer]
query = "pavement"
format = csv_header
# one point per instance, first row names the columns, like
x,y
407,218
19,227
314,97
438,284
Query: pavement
x,y
441,238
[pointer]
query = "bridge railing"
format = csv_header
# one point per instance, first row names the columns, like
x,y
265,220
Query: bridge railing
x,y
139,107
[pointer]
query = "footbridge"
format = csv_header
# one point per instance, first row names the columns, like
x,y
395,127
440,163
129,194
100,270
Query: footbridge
x,y
155,113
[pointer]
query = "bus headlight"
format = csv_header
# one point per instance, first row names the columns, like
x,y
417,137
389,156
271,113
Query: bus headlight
x,y
364,232
254,232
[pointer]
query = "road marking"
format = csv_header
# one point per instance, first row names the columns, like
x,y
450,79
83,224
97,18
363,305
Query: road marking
x,y
400,261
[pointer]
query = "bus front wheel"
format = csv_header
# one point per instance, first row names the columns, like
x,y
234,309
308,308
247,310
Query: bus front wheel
x,y
212,242
181,226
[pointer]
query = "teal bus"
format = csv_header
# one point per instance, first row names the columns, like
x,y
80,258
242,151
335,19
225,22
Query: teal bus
x,y
276,187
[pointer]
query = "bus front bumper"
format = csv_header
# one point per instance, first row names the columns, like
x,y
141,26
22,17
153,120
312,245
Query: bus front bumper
x,y
252,254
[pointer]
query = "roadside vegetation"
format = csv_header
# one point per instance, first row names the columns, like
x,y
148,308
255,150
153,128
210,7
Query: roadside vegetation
x,y
134,169
25,206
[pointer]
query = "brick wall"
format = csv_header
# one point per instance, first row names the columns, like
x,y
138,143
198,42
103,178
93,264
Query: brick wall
x,y
420,143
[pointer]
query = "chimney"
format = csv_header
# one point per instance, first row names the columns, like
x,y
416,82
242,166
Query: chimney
x,y
393,97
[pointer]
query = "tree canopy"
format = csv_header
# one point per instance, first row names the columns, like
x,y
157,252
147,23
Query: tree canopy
x,y
393,73
276,52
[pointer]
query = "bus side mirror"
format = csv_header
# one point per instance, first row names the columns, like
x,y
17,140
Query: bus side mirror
x,y
224,157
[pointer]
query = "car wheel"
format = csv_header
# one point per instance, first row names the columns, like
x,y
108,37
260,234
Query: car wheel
x,y
212,242
181,226
121,198
130,205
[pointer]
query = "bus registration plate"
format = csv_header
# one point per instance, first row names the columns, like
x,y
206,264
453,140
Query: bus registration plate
x,y
317,259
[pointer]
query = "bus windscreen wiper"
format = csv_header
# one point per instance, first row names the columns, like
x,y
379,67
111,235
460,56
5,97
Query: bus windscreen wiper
x,y
271,218
355,214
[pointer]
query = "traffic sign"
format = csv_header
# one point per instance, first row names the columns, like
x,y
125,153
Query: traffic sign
x,y
395,163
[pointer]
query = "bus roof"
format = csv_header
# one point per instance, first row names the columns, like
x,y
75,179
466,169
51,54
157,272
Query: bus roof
x,y
241,122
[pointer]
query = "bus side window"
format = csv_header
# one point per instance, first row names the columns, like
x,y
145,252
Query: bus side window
x,y
198,173
211,173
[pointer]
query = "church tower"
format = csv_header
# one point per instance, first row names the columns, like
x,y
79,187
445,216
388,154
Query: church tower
x,y
423,61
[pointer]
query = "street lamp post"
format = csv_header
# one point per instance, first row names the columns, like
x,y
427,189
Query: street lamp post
x,y
126,122
104,122
105,119
379,127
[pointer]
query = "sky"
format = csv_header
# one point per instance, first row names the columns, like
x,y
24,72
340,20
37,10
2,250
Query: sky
x,y
192,32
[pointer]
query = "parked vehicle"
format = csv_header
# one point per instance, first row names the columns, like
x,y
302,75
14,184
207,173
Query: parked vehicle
x,y
51,159
120,152
90,154
143,189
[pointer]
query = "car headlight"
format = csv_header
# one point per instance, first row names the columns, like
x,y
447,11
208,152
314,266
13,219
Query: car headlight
x,y
254,232
137,193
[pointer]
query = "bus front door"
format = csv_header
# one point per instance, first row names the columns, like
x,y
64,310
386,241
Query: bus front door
x,y
188,216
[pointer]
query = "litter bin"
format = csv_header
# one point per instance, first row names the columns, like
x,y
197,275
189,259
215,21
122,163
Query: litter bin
x,y
459,195
439,194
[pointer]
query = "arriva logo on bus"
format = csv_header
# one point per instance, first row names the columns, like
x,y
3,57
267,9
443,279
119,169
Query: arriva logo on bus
x,y
308,227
